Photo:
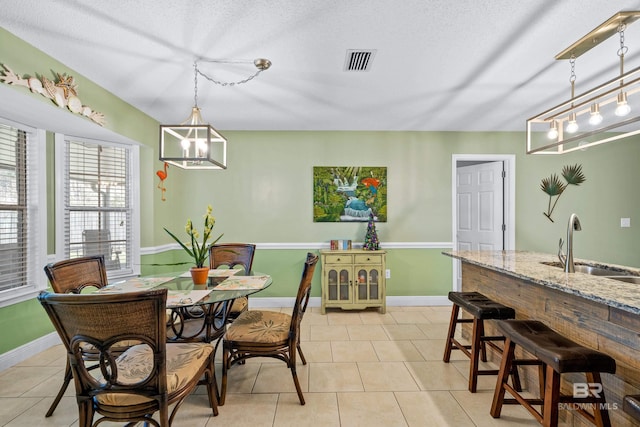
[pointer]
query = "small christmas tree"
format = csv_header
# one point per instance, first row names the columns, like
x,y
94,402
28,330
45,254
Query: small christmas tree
x,y
371,242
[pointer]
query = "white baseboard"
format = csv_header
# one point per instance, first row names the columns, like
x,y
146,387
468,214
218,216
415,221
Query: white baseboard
x,y
399,301
23,352
19,354
417,301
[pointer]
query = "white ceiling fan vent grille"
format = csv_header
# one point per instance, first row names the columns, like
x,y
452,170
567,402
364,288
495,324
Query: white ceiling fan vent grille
x,y
359,59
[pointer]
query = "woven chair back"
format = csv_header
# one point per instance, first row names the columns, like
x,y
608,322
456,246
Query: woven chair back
x,y
74,275
232,255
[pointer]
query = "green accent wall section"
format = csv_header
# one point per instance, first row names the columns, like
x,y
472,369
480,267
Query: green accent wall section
x,y
610,192
265,195
21,323
419,272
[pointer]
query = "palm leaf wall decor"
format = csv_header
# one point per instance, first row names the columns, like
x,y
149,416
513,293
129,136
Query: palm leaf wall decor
x,y
573,174
554,187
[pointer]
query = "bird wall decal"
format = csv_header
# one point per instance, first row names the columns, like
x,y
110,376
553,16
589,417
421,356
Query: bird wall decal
x,y
162,174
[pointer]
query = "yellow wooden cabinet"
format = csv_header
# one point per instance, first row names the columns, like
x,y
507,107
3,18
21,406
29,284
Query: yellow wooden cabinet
x,y
353,279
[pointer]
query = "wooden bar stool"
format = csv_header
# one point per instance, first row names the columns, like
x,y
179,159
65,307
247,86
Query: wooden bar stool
x,y
557,355
481,308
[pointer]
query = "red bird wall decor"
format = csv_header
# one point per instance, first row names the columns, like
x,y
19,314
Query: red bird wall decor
x,y
162,174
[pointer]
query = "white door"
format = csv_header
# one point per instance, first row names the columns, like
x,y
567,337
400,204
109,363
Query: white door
x,y
480,207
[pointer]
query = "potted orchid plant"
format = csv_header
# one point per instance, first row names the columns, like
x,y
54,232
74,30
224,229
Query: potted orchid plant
x,y
199,251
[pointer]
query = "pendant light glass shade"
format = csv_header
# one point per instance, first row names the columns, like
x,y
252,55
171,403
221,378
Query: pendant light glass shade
x,y
572,124
623,107
596,118
553,130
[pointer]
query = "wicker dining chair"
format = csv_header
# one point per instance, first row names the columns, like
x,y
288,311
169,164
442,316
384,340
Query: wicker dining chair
x,y
144,380
233,255
75,276
257,333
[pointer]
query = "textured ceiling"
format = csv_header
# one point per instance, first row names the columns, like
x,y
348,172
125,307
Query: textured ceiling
x,y
439,65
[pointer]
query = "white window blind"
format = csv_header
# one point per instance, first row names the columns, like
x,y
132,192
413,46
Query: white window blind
x,y
22,238
98,208
13,208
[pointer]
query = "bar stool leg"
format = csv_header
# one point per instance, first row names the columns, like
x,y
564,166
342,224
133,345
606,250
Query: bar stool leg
x,y
542,381
551,398
515,378
477,347
503,376
600,413
483,346
452,331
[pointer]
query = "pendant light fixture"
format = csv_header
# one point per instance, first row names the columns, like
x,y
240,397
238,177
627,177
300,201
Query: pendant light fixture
x,y
603,114
195,144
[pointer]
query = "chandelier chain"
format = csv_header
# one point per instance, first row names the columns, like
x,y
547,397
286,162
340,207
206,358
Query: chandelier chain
x,y
195,84
239,82
572,61
623,49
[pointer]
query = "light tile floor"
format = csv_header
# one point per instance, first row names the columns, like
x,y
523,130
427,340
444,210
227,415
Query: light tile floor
x,y
364,369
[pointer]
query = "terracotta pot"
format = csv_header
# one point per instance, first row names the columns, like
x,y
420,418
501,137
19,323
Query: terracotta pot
x,y
199,275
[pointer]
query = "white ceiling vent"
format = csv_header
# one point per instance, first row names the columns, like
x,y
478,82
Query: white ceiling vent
x,y
359,59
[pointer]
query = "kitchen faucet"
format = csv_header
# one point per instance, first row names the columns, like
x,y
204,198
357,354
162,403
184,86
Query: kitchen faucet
x,y
574,224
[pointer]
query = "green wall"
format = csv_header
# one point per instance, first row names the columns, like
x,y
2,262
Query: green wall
x,y
266,197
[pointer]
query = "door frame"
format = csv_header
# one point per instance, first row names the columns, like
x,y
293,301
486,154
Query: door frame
x,y
509,198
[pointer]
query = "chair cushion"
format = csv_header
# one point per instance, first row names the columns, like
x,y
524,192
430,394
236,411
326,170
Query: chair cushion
x,y
631,405
184,360
257,326
481,307
554,349
239,305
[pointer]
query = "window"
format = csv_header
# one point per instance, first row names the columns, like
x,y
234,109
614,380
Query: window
x,y
22,212
99,208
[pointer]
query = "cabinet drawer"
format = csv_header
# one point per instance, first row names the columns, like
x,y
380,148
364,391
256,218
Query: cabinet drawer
x,y
338,259
368,259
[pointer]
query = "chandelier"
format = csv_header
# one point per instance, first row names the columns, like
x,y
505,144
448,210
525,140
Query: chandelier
x,y
195,144
600,115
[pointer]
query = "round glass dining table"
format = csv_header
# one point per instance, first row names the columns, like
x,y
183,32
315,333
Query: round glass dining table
x,y
197,312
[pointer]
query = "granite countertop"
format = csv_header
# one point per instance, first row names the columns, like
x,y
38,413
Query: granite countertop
x,y
528,266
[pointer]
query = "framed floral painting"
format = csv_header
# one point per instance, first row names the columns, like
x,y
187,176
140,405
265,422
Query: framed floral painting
x,y
349,193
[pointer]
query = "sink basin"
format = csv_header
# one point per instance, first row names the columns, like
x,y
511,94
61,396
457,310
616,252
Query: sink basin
x,y
628,279
594,270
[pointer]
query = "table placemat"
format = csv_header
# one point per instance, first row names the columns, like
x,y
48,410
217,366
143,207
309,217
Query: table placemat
x,y
242,283
134,284
184,298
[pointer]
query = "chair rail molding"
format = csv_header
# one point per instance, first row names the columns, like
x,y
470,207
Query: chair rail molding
x,y
152,250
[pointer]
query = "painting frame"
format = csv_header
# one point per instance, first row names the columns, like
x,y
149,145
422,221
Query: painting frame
x,y
349,193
